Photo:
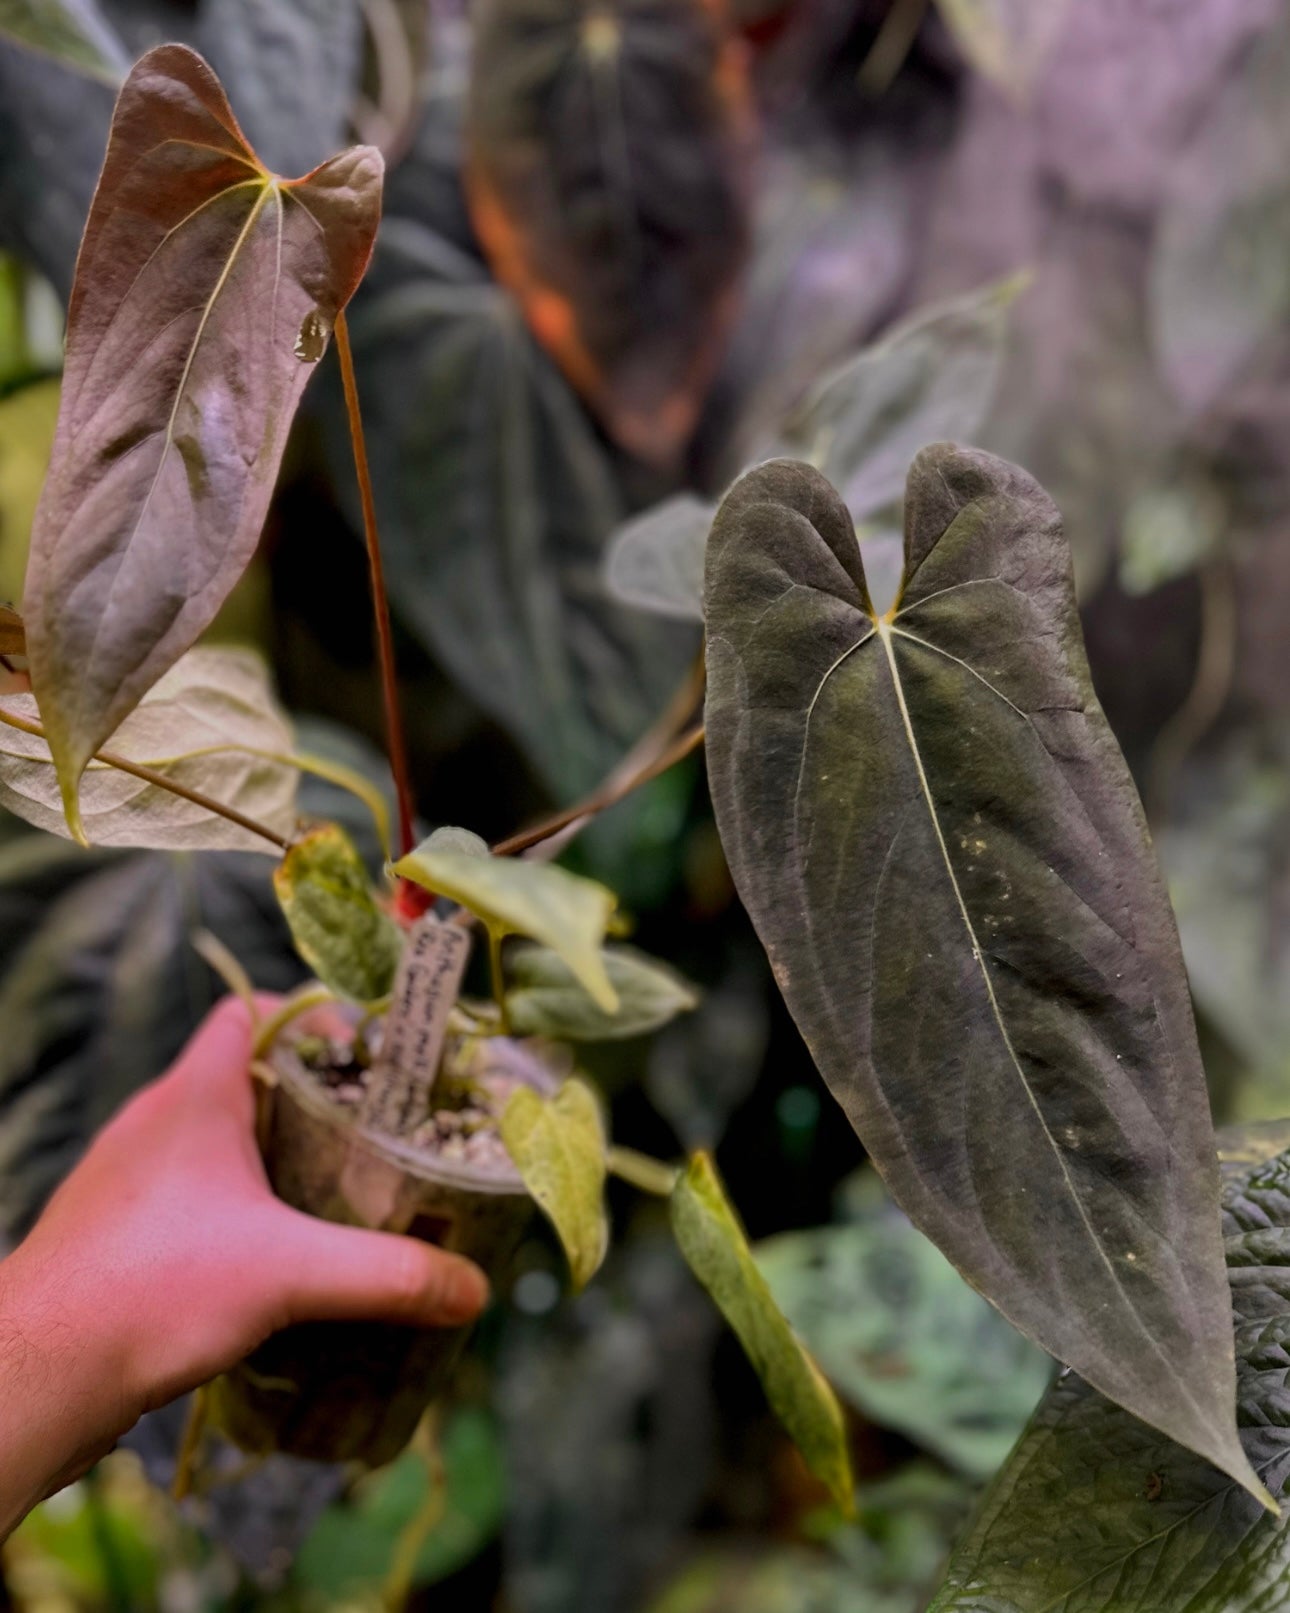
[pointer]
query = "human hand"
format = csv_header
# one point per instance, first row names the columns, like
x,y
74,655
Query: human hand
x,y
165,1257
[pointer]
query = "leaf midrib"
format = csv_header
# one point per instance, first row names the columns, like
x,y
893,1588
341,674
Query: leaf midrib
x,y
885,632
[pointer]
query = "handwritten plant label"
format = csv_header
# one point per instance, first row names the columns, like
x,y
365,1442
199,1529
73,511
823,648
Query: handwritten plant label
x,y
425,988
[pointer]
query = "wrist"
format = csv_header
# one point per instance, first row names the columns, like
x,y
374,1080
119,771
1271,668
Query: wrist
x,y
63,1402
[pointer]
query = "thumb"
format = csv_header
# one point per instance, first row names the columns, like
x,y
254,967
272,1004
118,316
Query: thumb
x,y
349,1274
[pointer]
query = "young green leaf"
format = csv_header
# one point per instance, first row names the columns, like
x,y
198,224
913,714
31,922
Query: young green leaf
x,y
546,999
940,845
558,1146
340,931
71,32
716,1250
562,910
1093,1513
211,725
204,287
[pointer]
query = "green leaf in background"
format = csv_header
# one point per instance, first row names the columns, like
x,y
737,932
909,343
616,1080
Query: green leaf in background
x,y
941,848
1096,1513
211,724
903,1338
546,999
348,1553
1009,41
292,70
558,1146
1220,273
27,419
562,910
710,1237
496,500
181,380
349,941
70,31
930,379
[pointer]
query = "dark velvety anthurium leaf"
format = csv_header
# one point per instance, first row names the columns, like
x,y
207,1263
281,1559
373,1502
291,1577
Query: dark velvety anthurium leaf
x,y
70,31
1095,1513
291,67
607,147
940,845
205,289
496,500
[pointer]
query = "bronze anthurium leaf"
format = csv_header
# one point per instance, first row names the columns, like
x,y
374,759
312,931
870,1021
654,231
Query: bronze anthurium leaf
x,y
608,149
939,842
205,289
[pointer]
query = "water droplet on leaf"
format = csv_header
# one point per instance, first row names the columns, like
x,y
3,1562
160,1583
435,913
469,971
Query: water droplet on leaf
x,y
311,339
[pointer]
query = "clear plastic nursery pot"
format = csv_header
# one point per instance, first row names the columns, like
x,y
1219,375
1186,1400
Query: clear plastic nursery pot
x,y
355,1391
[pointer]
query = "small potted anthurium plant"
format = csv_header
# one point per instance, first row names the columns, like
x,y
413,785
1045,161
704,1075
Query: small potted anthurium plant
x,y
921,802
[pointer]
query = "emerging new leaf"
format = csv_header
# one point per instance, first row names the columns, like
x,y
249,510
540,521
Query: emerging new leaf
x,y
205,289
558,1147
349,942
940,845
716,1250
562,910
210,725
546,998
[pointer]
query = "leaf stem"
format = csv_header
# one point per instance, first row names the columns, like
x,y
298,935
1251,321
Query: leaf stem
x,y
650,1175
394,733
300,1002
160,781
608,795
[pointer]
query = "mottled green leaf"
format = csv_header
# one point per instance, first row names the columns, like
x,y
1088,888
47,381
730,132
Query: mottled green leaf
x,y
197,271
1010,41
562,910
545,998
210,724
941,848
1097,1513
716,1250
70,31
558,1146
903,1337
348,940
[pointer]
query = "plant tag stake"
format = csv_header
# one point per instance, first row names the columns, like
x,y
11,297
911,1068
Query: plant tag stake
x,y
425,989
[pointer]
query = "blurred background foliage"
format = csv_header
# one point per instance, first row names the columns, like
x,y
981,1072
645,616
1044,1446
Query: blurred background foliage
x,y
630,246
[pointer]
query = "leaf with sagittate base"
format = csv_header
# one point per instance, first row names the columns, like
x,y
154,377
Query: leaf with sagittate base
x,y
349,942
558,1146
204,288
1094,1513
939,843
711,1239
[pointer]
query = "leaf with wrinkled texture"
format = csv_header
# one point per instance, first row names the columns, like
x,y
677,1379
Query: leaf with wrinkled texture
x,y
904,1339
558,1146
1220,273
292,69
197,270
1010,41
496,500
606,165
210,724
545,998
1096,1513
711,1239
70,31
349,941
940,846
